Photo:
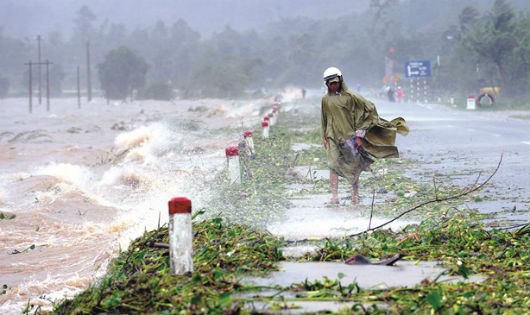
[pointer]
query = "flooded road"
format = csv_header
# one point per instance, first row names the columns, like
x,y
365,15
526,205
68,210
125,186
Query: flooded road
x,y
462,146
404,274
455,147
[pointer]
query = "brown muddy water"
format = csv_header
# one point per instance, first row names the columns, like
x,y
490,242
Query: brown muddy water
x,y
84,182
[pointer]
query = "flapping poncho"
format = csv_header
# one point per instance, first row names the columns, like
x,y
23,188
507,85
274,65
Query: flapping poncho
x,y
345,112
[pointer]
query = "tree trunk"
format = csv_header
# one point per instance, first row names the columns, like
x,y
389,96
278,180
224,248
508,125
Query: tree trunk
x,y
502,74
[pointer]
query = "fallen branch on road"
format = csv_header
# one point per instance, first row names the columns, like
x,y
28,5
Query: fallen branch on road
x,y
473,188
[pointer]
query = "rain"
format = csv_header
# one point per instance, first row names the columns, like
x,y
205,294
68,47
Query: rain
x,y
109,110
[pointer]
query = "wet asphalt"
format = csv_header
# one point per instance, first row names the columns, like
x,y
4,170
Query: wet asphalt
x,y
464,146
455,147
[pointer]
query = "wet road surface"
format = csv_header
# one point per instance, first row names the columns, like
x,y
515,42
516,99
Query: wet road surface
x,y
461,144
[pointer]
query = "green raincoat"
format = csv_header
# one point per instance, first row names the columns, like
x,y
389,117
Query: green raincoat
x,y
344,113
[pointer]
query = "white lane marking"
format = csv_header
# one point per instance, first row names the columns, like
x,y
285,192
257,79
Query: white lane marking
x,y
525,142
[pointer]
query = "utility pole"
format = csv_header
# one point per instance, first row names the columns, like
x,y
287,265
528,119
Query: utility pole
x,y
78,89
39,38
89,83
30,91
47,85
30,83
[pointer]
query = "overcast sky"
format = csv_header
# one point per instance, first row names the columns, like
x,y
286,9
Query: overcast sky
x,y
25,18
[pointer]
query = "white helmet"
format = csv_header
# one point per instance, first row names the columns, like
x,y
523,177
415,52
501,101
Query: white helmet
x,y
331,73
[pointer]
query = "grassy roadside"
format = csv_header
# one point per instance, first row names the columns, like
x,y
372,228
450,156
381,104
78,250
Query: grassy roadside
x,y
518,109
229,245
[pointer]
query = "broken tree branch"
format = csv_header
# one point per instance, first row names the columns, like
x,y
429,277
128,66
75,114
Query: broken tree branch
x,y
473,188
476,186
371,209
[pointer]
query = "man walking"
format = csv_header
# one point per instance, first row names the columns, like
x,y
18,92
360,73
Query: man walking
x,y
353,133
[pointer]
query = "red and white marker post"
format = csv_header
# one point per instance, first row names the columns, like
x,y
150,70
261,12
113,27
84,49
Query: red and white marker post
x,y
265,125
272,119
232,159
180,236
247,135
276,112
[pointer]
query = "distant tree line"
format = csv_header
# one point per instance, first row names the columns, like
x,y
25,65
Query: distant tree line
x,y
470,50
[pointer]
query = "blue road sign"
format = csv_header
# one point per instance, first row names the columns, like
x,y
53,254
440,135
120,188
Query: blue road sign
x,y
418,68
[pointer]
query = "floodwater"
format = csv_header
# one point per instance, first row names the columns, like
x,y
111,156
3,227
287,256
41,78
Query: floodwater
x,y
83,182
402,274
465,147
372,277
309,219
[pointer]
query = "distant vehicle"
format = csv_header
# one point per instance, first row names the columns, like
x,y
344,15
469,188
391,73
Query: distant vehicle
x,y
487,96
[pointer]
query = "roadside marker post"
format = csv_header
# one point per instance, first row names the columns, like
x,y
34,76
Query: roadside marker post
x,y
247,135
471,102
180,236
265,125
272,118
232,159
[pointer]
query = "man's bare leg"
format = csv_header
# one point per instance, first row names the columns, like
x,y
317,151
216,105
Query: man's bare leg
x,y
355,191
334,185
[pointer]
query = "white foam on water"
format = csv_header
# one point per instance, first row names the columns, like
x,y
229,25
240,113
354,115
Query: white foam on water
x,y
72,179
41,298
75,174
126,176
146,207
152,172
145,143
247,110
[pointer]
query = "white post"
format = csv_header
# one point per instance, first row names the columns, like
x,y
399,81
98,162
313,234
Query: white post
x,y
265,125
471,102
272,119
232,158
180,236
249,143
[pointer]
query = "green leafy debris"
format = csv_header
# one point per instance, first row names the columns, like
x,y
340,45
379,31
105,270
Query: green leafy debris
x,y
139,280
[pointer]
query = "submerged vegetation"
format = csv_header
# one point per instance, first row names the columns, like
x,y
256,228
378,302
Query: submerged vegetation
x,y
229,246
